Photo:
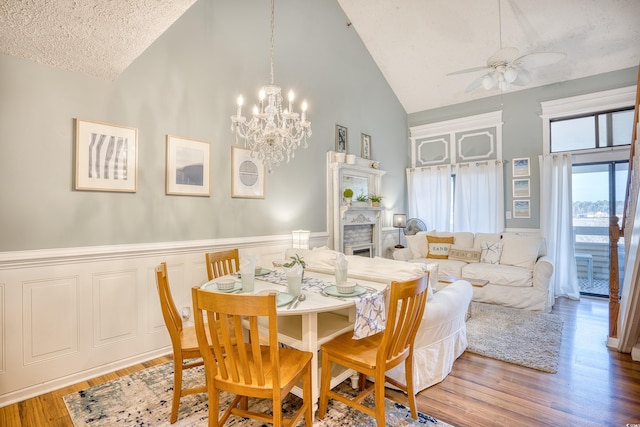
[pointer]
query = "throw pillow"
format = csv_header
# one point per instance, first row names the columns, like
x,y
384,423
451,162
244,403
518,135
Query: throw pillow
x,y
491,252
520,251
418,244
464,254
439,247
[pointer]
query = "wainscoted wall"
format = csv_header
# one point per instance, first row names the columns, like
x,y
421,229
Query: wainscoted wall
x,y
67,315
72,314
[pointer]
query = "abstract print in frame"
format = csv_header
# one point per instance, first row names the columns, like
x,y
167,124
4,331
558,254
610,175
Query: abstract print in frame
x,y
188,166
106,157
247,175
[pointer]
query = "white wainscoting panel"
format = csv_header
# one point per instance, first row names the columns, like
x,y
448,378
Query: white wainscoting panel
x,y
50,310
78,313
115,307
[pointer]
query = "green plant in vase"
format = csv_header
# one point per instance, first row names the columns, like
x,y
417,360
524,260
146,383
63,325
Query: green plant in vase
x,y
375,200
361,199
297,259
347,194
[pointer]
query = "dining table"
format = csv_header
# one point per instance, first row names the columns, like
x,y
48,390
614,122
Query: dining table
x,y
321,316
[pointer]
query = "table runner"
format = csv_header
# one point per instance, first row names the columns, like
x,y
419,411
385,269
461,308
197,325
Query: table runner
x,y
370,309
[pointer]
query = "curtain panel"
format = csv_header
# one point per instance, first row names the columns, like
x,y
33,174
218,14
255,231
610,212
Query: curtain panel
x,y
430,196
479,197
556,223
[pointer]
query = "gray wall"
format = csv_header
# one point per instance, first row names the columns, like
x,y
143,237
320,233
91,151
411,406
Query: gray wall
x,y
522,128
186,84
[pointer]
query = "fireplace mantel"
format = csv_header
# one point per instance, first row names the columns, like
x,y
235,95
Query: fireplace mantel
x,y
342,216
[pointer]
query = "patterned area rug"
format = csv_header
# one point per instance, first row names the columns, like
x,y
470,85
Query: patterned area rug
x,y
522,337
144,399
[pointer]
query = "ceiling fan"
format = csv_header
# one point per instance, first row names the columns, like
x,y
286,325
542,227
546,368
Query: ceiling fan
x,y
507,67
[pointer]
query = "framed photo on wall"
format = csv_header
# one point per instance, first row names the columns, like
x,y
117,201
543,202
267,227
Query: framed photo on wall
x,y
521,188
341,139
365,142
521,167
521,209
106,157
188,167
247,175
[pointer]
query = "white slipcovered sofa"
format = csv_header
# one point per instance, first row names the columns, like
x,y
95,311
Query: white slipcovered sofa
x,y
442,336
515,264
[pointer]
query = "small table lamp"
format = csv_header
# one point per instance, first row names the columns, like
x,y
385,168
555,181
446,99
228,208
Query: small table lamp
x,y
300,239
399,221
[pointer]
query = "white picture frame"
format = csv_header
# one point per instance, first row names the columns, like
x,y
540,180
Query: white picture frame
x,y
521,167
247,175
521,209
188,167
106,157
521,188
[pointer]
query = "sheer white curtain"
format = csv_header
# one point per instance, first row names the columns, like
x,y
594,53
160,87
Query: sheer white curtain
x,y
430,196
556,223
479,197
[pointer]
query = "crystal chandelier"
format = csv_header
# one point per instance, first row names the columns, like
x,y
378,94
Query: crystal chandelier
x,y
272,134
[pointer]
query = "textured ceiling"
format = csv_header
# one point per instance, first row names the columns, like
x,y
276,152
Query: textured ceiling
x,y
95,37
415,43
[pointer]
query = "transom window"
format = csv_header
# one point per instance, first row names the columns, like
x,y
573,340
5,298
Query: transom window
x,y
595,130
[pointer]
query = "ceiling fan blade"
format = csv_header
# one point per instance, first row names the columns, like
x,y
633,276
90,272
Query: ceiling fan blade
x,y
523,78
468,70
533,60
474,84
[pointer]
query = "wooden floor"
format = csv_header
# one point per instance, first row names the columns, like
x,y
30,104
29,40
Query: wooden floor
x,y
593,387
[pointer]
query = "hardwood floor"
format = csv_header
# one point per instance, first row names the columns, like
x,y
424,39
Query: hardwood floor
x,y
593,387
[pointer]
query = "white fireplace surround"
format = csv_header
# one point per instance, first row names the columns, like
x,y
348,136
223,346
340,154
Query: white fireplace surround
x,y
342,216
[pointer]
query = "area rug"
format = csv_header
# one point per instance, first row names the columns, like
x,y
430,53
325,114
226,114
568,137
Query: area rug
x,y
522,337
144,399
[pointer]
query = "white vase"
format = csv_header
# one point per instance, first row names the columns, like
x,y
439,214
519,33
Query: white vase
x,y
351,159
339,157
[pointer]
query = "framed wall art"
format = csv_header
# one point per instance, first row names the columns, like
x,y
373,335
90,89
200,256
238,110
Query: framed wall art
x,y
341,139
188,167
247,175
365,143
106,157
521,188
521,167
521,209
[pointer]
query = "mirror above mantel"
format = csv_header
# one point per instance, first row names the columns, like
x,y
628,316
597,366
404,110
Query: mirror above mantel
x,y
353,225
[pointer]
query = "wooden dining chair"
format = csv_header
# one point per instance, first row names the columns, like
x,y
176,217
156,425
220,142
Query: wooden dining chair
x,y
222,263
183,341
373,356
248,369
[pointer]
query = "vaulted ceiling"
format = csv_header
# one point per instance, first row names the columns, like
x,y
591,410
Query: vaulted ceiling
x,y
416,43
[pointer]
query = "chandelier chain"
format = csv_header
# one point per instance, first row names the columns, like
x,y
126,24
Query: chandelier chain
x,y
273,37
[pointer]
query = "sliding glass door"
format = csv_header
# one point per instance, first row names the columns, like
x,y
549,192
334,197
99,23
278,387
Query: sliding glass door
x,y
598,193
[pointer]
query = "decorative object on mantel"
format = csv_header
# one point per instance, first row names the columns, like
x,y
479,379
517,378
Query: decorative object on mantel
x,y
375,200
272,134
365,146
347,194
375,165
342,139
351,159
507,66
399,222
361,200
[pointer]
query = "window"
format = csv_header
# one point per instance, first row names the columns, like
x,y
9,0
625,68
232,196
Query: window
x,y
595,130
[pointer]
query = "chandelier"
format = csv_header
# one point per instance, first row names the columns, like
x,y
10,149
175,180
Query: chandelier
x,y
272,134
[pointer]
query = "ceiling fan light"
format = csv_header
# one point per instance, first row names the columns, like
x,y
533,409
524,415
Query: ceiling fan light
x,y
510,74
487,82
